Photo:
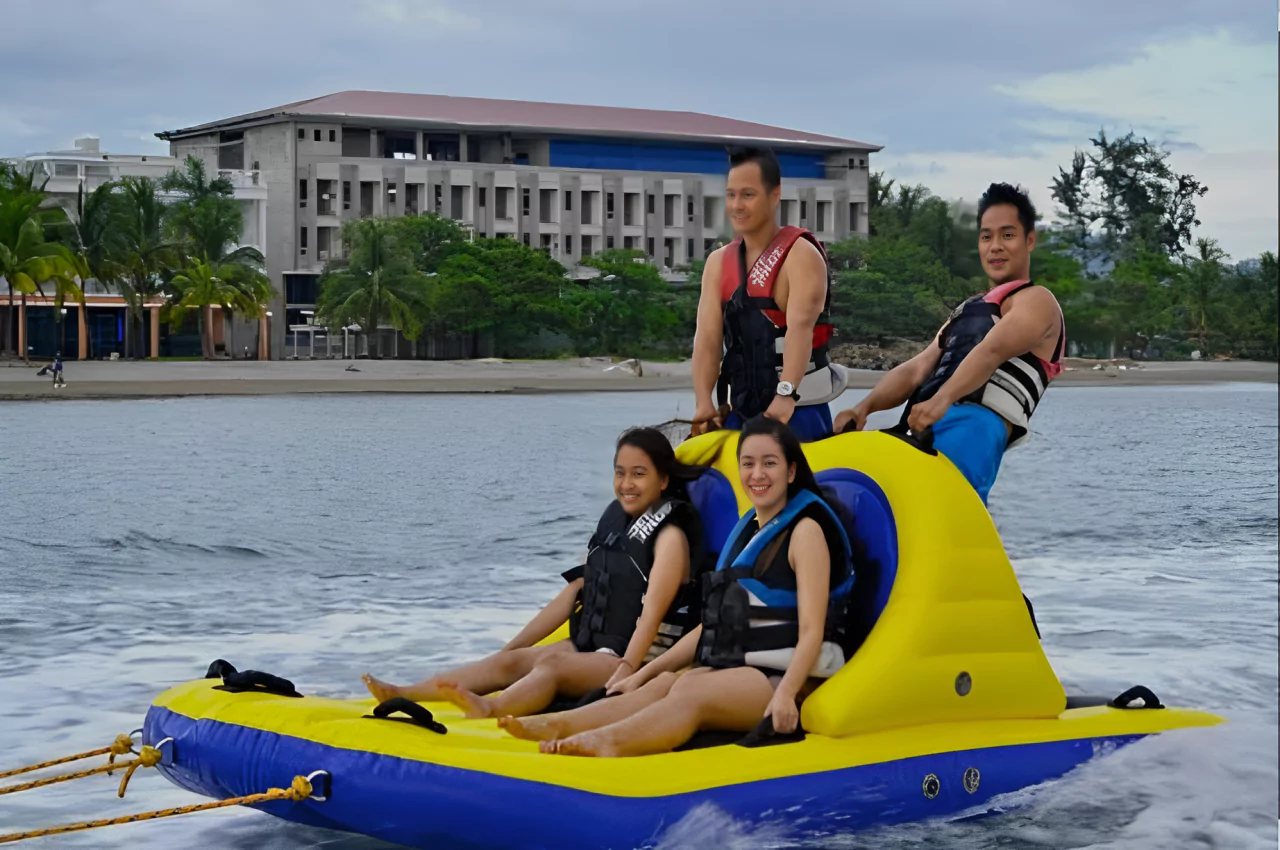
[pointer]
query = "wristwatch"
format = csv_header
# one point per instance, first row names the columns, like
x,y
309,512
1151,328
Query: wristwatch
x,y
786,388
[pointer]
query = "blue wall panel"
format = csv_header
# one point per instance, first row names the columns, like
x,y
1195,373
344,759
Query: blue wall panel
x,y
691,159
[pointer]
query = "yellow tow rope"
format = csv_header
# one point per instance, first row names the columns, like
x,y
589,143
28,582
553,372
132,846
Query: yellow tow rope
x,y
298,791
148,756
123,745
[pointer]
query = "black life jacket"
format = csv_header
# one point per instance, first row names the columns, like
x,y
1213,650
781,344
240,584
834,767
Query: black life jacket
x,y
616,579
755,330
749,614
1014,390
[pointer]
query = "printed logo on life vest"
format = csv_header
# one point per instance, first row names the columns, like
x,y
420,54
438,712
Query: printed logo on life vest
x,y
764,267
645,525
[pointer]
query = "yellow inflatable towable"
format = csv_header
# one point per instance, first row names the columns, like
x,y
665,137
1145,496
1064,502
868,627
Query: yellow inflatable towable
x,y
948,702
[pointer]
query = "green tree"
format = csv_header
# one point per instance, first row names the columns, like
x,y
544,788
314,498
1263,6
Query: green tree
x,y
502,287
430,239
1252,301
1202,290
146,255
379,284
229,286
1123,191
93,235
887,287
28,262
627,307
28,219
205,217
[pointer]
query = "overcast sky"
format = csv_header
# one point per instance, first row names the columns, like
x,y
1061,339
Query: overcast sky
x,y
960,93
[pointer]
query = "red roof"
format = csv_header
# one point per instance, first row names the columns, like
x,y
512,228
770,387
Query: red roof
x,y
469,112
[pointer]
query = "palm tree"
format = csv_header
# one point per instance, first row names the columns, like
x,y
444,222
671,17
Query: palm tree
x,y
208,222
229,286
27,261
378,284
145,255
22,200
95,239
1203,282
206,217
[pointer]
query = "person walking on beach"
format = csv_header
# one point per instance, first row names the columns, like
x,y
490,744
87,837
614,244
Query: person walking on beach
x,y
763,327
58,379
54,368
978,383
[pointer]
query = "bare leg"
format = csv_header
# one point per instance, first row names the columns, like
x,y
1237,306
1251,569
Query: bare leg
x,y
602,712
733,700
489,674
571,674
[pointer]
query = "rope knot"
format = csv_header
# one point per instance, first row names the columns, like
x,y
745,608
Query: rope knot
x,y
149,756
301,789
122,746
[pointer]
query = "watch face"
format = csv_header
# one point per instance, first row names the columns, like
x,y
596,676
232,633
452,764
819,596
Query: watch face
x,y
785,388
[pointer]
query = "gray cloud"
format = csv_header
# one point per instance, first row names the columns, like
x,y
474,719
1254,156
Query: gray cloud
x,y
912,76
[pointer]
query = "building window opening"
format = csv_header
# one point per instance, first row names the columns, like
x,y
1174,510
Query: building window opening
x,y
399,144
442,147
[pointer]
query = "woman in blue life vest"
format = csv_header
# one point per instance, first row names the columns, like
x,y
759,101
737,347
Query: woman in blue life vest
x,y
770,629
633,597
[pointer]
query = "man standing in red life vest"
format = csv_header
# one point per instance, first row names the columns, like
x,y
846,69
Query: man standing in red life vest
x,y
761,343
978,383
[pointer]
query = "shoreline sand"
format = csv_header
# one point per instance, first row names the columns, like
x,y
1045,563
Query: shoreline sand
x,y
124,380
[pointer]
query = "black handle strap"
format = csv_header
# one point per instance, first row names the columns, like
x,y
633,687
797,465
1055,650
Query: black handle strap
x,y
922,440
764,735
249,681
218,669
1149,699
417,715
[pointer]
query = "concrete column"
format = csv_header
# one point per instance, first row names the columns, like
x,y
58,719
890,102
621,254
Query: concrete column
x,y
155,332
264,338
22,330
83,353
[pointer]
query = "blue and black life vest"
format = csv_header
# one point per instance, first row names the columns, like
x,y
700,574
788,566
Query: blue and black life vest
x,y
616,579
749,606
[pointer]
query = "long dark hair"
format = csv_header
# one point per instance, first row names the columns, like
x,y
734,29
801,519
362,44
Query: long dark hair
x,y
654,443
791,452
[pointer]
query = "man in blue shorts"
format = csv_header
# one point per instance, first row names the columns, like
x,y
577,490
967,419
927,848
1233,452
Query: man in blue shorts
x,y
978,383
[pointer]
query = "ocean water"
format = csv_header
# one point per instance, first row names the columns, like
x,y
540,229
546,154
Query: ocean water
x,y
323,537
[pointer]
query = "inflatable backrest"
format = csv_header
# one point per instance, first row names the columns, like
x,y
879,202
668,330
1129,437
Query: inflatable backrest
x,y
873,527
717,505
953,641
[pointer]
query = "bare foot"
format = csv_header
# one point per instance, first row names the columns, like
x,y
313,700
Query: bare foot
x,y
382,691
474,706
586,744
528,728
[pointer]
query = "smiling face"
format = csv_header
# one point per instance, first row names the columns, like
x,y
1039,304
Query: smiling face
x,y
764,473
636,482
1004,246
749,206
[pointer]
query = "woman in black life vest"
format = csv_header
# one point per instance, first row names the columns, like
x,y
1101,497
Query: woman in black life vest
x,y
632,598
656,709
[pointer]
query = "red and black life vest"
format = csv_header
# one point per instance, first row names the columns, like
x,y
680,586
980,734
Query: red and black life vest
x,y
755,329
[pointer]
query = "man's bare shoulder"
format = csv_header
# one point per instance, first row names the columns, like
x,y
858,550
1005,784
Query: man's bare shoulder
x,y
804,256
711,268
1036,298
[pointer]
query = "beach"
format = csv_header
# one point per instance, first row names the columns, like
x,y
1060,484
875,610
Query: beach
x,y
164,379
